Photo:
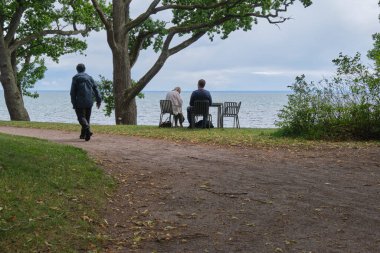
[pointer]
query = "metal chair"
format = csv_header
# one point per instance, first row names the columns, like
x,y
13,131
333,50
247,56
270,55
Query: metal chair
x,y
166,107
201,108
231,109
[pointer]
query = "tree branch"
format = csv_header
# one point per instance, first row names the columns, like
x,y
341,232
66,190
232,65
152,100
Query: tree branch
x,y
153,10
195,6
15,22
165,54
277,13
107,24
202,28
135,51
101,14
133,91
186,43
141,18
33,36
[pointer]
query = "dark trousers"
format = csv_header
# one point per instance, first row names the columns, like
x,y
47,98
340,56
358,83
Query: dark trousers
x,y
189,108
189,118
83,115
179,117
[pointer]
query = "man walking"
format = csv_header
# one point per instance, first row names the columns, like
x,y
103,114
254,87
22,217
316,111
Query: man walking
x,y
83,88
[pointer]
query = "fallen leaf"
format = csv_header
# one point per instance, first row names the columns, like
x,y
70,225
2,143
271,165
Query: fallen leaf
x,y
86,218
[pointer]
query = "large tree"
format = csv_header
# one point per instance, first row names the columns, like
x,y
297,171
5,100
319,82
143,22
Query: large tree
x,y
186,21
31,30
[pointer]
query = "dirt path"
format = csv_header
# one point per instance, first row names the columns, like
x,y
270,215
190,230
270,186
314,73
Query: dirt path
x,y
175,197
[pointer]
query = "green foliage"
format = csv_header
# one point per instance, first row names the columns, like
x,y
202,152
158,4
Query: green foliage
x,y
374,54
29,74
347,106
44,32
237,14
51,198
150,26
105,87
169,26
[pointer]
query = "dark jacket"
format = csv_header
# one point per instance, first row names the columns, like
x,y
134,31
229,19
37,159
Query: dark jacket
x,y
200,94
83,89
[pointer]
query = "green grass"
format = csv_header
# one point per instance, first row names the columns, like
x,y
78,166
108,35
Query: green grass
x,y
244,137
51,197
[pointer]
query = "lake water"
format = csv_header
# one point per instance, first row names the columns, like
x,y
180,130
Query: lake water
x,y
258,109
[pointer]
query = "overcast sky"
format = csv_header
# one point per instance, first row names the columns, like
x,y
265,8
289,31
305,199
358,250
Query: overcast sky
x,y
266,58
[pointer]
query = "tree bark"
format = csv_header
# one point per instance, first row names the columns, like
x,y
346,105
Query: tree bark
x,y
125,110
12,94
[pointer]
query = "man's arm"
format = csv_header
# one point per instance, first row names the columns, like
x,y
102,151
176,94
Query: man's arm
x,y
96,92
209,98
177,99
73,92
192,98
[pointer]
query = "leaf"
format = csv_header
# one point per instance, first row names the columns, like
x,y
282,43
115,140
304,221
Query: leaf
x,y
86,218
169,228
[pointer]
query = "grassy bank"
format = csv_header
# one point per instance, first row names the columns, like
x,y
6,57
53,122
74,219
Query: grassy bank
x,y
244,137
51,197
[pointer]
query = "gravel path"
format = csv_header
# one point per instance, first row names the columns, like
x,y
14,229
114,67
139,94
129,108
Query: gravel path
x,y
181,197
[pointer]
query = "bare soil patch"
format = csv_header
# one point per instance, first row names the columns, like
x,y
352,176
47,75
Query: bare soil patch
x,y
181,197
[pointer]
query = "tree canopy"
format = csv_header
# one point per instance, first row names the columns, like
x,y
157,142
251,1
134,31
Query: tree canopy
x,y
169,26
33,30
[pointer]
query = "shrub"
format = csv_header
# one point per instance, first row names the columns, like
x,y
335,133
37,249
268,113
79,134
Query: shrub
x,y
105,87
345,107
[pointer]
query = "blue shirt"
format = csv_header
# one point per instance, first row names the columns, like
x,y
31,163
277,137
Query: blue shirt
x,y
200,94
83,89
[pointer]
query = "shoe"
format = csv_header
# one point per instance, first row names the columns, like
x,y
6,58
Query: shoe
x,y
83,134
87,135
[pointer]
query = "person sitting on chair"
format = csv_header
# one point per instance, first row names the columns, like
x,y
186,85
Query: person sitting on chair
x,y
200,94
177,102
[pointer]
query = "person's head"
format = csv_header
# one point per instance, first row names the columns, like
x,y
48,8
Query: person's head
x,y
81,68
178,89
201,83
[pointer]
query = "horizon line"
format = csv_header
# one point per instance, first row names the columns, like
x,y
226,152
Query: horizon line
x,y
183,90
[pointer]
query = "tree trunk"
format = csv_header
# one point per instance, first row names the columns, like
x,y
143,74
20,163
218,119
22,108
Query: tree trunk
x,y
125,111
12,94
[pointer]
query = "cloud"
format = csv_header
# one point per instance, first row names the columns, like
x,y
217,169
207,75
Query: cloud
x,y
268,57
